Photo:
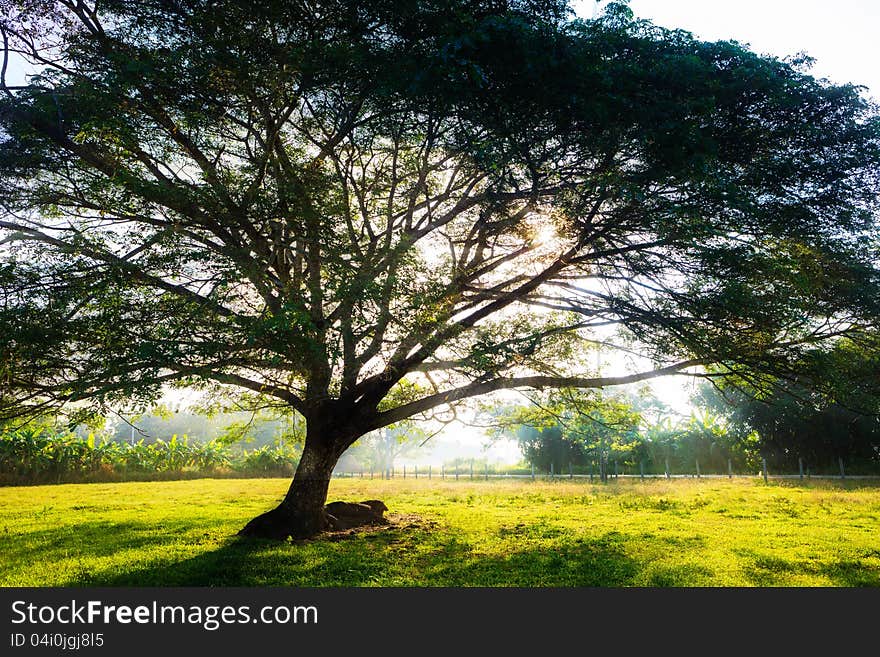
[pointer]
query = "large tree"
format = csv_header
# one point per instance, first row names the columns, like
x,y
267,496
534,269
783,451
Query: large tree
x,y
371,210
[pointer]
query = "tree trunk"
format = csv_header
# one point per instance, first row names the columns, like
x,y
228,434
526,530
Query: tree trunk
x,y
301,513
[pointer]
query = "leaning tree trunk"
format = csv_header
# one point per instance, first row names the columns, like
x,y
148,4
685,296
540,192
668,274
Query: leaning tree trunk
x,y
301,513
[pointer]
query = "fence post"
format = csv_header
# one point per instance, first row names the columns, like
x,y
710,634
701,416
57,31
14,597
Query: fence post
x,y
416,469
764,468
801,467
552,473
486,471
570,470
729,469
443,471
456,472
642,470
533,471
842,473
667,468
404,470
591,471
429,472
697,461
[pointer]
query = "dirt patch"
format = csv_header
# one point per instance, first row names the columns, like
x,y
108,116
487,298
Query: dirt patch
x,y
395,521
411,521
345,534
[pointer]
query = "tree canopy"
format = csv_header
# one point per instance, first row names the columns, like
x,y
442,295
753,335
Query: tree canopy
x,y
368,211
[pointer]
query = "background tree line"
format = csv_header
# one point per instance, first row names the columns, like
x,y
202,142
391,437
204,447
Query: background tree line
x,y
790,426
730,426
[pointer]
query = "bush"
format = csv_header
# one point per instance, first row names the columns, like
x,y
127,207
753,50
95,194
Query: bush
x,y
39,455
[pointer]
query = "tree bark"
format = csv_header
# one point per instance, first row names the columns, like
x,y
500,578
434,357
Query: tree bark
x,y
301,513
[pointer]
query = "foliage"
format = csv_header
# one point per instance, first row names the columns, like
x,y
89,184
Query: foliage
x,y
33,455
703,439
249,198
794,425
278,459
570,428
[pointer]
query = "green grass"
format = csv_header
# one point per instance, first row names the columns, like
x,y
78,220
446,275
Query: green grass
x,y
518,533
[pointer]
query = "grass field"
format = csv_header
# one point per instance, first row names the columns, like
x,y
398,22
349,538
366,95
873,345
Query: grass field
x,y
502,533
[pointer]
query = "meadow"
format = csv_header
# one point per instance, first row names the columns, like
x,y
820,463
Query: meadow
x,y
686,532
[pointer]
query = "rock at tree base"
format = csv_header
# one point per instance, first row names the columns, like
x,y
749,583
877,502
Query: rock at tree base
x,y
345,515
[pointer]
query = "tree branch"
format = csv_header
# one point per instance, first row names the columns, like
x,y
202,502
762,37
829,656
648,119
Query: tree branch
x,y
475,389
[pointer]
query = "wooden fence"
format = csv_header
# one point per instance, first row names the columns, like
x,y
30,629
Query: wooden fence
x,y
604,472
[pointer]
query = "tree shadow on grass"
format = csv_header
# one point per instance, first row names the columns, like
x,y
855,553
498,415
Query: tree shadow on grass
x,y
181,554
92,539
239,562
590,563
851,573
255,563
88,553
103,553
389,556
768,570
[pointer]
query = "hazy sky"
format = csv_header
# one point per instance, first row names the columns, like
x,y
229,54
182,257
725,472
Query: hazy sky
x,y
842,36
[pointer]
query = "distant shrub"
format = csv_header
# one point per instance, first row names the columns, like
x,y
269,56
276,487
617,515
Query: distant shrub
x,y
278,460
39,455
